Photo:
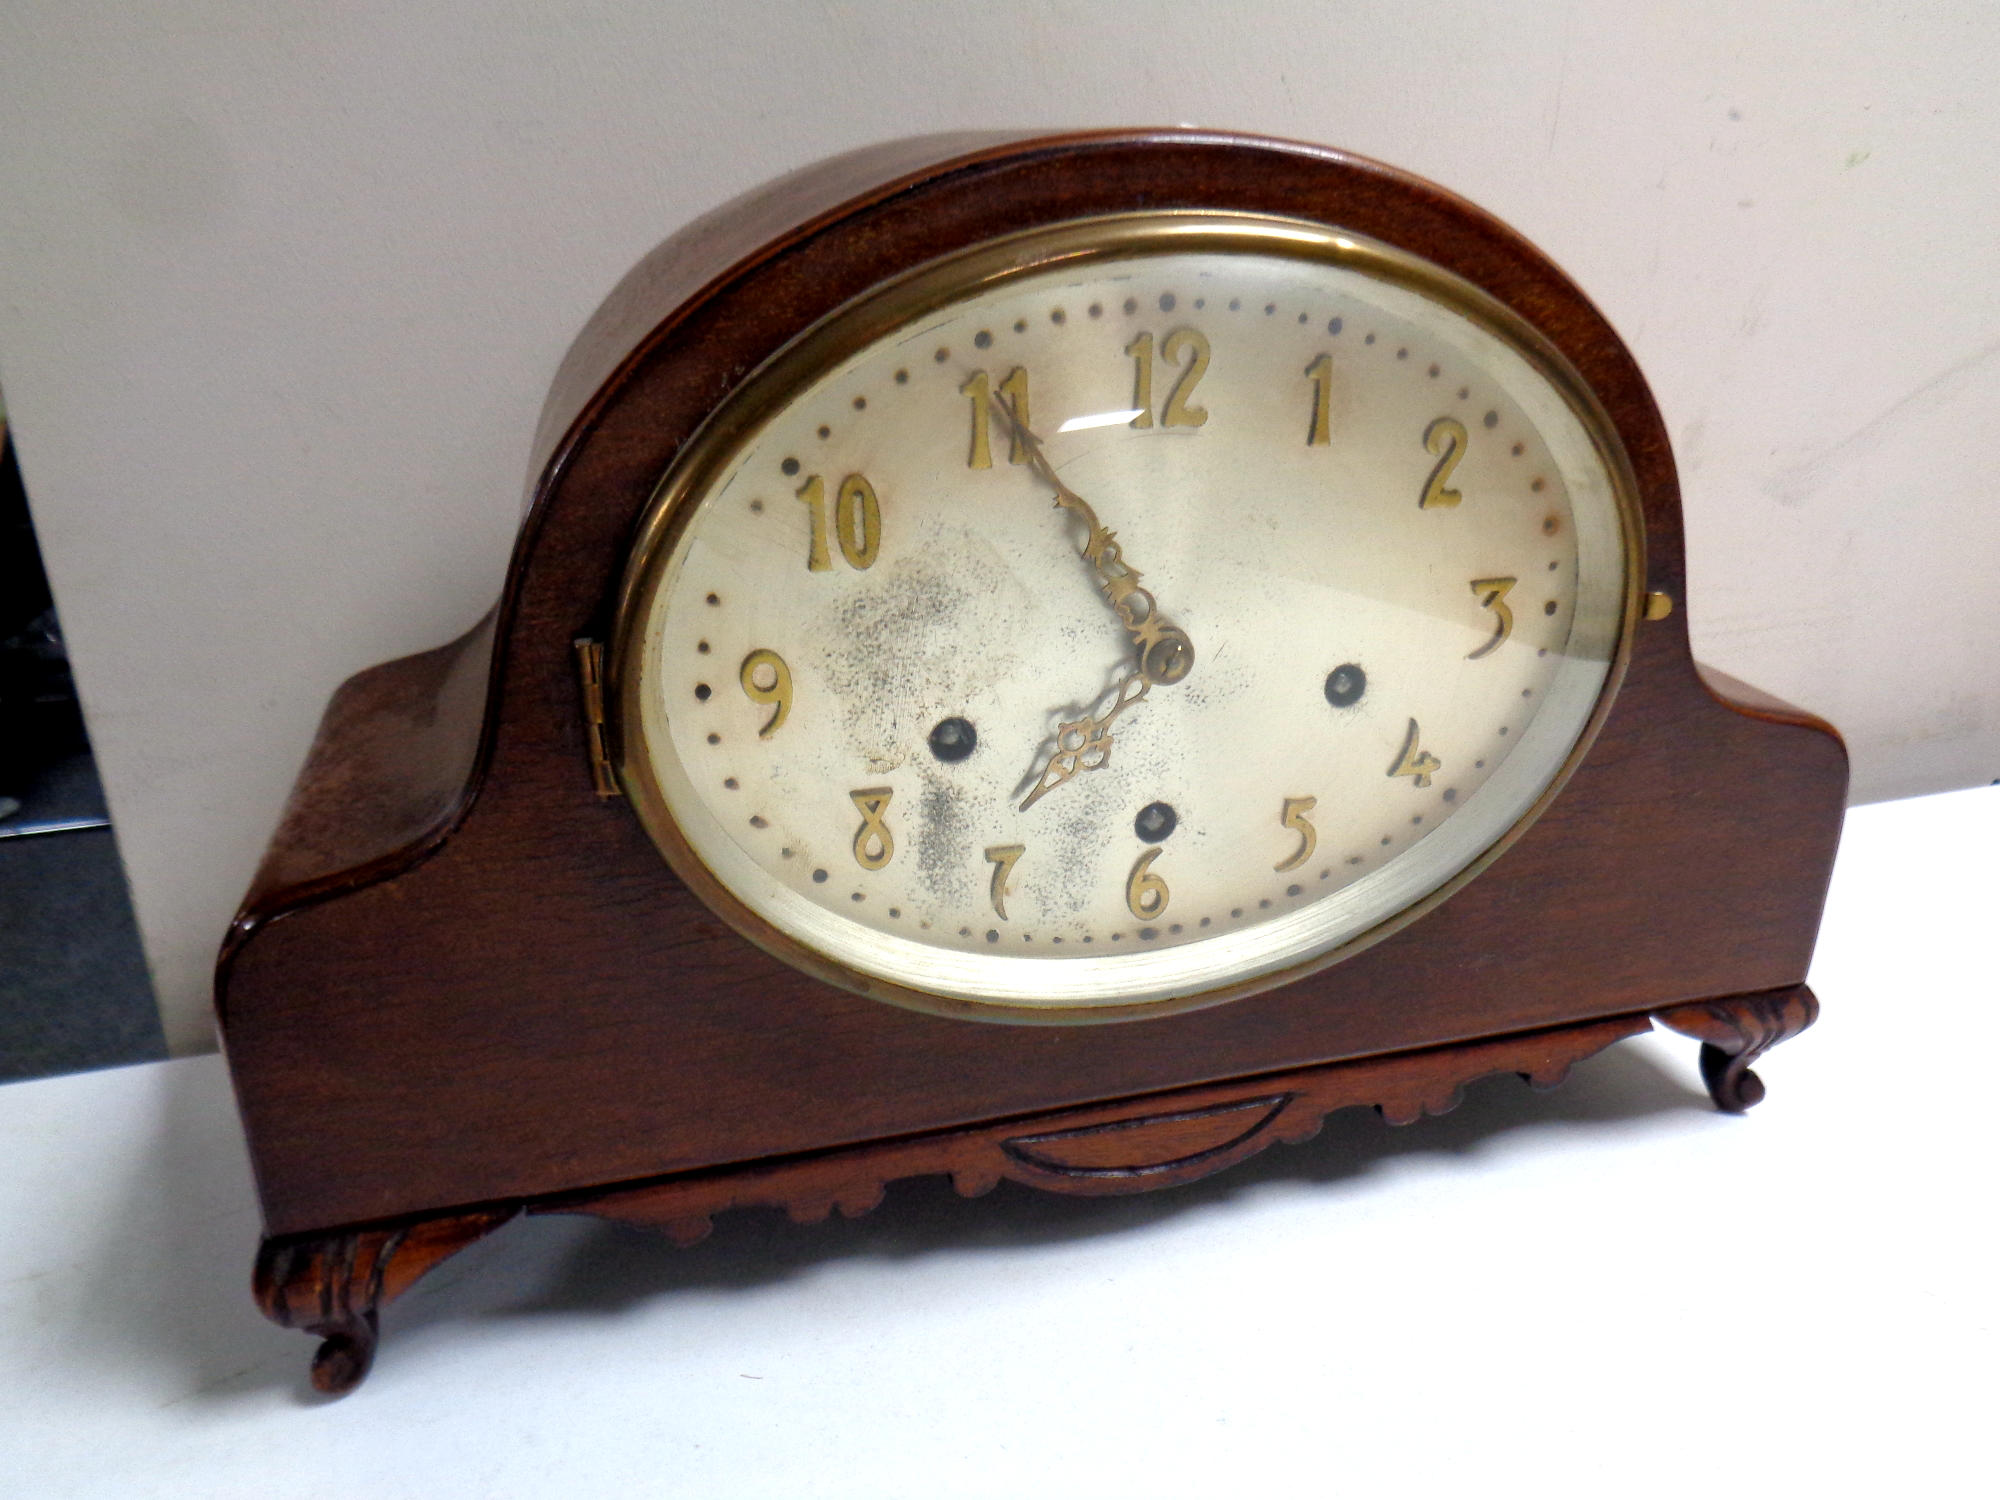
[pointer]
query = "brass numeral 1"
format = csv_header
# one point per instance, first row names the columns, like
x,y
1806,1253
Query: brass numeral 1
x,y
777,692
1294,818
1492,594
1002,857
978,389
1179,411
1145,893
1141,352
1320,373
874,845
856,522
1446,438
1415,762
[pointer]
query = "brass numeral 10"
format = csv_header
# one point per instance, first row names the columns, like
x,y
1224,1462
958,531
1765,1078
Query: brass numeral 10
x,y
856,523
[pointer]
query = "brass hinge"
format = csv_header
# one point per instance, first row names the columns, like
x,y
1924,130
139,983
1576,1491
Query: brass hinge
x,y
590,668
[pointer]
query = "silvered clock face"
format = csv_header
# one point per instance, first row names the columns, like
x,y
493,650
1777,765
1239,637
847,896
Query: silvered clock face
x,y
1133,612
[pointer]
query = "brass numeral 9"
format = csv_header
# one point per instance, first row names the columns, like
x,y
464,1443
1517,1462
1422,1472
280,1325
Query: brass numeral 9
x,y
777,692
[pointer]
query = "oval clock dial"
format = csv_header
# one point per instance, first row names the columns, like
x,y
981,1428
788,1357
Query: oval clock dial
x,y
1134,612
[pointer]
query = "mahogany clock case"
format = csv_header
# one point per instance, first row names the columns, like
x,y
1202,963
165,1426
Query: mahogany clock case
x,y
464,983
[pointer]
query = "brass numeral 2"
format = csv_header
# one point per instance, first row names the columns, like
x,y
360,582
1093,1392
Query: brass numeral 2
x,y
980,392
1492,594
856,522
778,693
1003,857
1294,818
1446,438
874,845
1177,413
1414,762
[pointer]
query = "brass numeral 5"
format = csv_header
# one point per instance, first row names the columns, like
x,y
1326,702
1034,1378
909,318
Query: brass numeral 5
x,y
1294,818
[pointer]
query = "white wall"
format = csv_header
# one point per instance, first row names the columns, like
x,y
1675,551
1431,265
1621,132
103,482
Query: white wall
x,y
282,286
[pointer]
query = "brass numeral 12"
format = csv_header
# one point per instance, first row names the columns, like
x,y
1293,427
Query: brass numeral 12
x,y
1178,411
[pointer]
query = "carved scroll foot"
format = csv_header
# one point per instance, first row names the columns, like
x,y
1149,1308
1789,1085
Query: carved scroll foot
x,y
1733,1033
335,1285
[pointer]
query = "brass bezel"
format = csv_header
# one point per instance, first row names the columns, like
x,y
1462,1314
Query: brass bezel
x,y
928,288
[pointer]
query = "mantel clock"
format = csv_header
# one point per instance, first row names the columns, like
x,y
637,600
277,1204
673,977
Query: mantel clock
x,y
1059,659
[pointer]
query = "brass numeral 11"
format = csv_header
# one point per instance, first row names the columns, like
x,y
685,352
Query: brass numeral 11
x,y
979,391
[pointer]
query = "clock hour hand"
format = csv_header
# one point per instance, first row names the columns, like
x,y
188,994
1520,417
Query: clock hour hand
x,y
1166,654
1085,744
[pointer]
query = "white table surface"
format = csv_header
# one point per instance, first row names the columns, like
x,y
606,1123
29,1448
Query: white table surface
x,y
1605,1290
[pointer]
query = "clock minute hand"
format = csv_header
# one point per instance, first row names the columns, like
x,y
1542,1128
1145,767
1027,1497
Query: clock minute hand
x,y
1166,654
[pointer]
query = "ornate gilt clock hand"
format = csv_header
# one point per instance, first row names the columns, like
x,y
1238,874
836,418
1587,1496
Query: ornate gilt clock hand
x,y
1085,744
1166,654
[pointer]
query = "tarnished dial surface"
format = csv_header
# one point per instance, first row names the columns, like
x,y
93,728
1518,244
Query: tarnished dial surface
x,y
1122,615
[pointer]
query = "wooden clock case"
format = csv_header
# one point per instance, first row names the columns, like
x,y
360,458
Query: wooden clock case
x,y
465,986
